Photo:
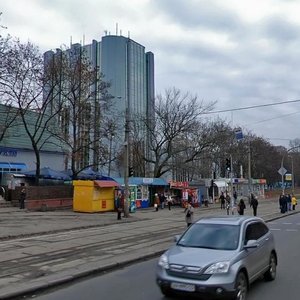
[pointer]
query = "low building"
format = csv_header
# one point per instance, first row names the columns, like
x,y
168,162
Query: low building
x,y
16,151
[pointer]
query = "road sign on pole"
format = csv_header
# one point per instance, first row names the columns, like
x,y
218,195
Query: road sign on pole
x,y
239,134
282,171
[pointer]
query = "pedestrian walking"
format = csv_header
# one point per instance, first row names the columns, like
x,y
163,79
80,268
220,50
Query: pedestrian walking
x,y
294,202
222,200
162,199
289,202
241,207
227,200
156,202
169,201
189,214
118,205
282,203
22,196
254,204
235,197
233,205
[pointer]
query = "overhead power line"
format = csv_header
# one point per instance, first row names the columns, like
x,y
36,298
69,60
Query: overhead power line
x,y
251,107
270,119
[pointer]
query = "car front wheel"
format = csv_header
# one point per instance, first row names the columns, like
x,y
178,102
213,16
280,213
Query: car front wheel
x,y
166,292
241,286
271,273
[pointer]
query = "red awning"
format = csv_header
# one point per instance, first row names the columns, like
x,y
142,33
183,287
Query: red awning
x,y
106,183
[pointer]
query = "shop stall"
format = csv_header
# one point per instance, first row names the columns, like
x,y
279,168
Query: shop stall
x,y
94,195
142,189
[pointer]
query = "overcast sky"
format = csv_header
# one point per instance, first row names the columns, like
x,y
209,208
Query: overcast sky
x,y
239,53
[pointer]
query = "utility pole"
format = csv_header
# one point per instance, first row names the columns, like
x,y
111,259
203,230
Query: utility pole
x,y
293,179
126,164
249,170
282,170
231,176
111,136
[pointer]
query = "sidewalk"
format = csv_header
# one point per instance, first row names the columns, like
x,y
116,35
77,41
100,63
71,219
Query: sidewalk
x,y
45,249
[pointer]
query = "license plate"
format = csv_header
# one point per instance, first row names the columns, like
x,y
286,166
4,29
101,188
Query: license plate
x,y
183,287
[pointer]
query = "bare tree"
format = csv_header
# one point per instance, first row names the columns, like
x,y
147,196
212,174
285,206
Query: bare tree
x,y
295,144
8,114
22,87
83,95
175,124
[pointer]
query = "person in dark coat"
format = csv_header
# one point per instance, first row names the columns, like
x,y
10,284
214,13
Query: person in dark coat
x,y
282,203
222,200
22,196
254,204
241,207
118,204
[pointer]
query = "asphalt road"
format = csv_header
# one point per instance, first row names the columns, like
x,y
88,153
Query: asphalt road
x,y
137,282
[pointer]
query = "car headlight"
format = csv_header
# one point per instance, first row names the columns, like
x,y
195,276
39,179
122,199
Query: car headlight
x,y
163,261
217,268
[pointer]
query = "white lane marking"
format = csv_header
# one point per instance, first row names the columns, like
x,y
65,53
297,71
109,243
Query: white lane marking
x,y
291,229
287,223
275,229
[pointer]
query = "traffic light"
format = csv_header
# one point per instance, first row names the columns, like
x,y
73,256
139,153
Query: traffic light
x,y
228,164
130,171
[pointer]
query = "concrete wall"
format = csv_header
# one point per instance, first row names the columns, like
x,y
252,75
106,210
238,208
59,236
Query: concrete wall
x,y
44,197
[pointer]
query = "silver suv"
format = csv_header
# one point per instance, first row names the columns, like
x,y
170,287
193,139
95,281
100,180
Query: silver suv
x,y
218,257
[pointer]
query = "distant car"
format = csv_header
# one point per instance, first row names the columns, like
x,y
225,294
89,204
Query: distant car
x,y
218,258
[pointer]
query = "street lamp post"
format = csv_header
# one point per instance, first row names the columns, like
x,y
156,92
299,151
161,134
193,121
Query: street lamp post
x,y
282,170
293,178
249,170
231,175
110,148
126,164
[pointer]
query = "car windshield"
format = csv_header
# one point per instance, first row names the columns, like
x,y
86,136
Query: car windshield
x,y
211,236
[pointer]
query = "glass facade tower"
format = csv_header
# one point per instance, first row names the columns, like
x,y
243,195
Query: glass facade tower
x,y
130,71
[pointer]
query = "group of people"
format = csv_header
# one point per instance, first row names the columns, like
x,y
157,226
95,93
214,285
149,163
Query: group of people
x,y
287,202
230,203
161,200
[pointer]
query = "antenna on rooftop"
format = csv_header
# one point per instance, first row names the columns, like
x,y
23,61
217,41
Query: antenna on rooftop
x,y
70,41
83,38
116,28
105,32
128,34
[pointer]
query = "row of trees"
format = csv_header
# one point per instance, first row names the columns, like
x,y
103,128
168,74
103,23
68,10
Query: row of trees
x,y
70,100
187,145
58,102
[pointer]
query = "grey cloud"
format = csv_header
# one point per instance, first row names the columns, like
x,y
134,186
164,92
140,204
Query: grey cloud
x,y
280,30
204,14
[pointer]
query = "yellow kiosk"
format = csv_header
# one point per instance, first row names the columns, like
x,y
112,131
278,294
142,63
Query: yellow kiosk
x,y
94,195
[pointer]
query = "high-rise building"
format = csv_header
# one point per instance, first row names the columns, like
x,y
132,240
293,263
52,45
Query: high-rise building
x,y
130,72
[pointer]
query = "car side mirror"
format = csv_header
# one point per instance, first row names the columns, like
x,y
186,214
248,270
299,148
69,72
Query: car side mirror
x,y
251,244
176,238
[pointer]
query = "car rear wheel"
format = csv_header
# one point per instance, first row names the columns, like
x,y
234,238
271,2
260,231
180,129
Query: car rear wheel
x,y
271,273
241,286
